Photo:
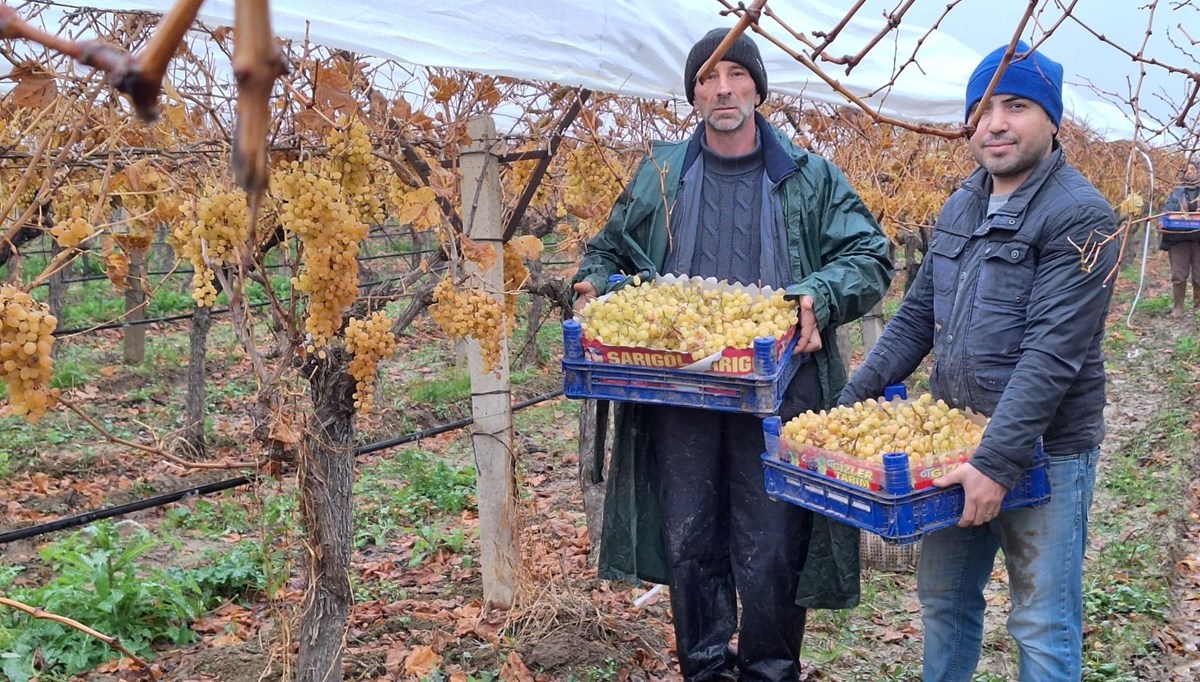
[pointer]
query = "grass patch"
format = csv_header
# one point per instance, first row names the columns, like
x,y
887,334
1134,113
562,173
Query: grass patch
x,y
454,387
1158,304
24,444
234,514
415,485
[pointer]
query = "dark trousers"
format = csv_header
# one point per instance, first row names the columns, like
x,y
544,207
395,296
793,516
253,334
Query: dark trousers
x,y
1185,263
725,539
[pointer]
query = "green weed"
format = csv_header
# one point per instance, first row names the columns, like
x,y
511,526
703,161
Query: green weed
x,y
430,539
167,302
410,488
1158,304
97,580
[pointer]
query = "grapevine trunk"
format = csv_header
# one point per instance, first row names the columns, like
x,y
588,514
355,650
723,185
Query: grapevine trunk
x,y
326,478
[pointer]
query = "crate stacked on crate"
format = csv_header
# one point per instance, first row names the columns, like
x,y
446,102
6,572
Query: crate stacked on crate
x,y
871,469
684,341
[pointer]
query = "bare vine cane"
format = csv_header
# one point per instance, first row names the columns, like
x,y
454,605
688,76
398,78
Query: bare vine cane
x,y
141,79
38,612
257,62
749,15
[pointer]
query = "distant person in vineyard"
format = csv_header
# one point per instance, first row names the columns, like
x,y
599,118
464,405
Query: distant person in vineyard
x,y
686,504
1011,300
1183,246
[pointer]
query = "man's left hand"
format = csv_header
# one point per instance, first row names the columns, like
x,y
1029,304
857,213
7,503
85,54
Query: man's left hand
x,y
983,495
810,336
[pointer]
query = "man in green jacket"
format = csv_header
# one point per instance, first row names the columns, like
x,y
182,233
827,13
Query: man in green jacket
x,y
686,505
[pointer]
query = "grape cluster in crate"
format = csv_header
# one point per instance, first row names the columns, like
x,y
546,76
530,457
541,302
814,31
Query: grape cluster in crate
x,y
687,342
849,442
872,464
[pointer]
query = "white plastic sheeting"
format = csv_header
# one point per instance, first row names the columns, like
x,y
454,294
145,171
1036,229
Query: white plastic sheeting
x,y
635,47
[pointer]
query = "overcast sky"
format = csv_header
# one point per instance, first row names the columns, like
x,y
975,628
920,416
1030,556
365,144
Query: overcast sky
x,y
986,24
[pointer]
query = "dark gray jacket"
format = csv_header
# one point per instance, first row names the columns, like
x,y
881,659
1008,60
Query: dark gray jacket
x,y
1013,308
1181,199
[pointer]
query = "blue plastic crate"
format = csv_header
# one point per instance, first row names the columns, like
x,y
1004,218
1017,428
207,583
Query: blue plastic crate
x,y
1180,224
896,513
759,393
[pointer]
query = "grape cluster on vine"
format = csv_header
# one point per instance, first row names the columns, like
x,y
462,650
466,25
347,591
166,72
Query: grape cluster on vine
x,y
470,314
313,207
591,188
210,237
350,162
73,229
370,341
26,340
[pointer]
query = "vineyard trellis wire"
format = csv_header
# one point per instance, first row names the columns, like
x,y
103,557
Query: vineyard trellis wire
x,y
218,486
416,142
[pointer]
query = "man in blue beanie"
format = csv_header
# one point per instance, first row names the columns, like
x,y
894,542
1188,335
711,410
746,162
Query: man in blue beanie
x,y
1011,300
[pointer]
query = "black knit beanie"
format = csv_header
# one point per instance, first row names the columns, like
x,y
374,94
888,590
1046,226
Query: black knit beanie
x,y
743,51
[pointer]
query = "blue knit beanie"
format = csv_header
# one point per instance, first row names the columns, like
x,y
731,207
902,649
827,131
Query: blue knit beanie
x,y
1036,78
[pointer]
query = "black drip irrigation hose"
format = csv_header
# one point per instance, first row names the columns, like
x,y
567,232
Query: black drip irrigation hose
x,y
385,444
209,488
121,510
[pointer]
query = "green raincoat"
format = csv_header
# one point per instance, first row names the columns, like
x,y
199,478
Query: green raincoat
x,y
838,256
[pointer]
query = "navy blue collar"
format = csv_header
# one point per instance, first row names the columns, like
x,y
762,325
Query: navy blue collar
x,y
778,162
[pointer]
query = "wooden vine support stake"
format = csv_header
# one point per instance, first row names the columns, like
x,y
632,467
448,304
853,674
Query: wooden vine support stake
x,y
135,308
491,399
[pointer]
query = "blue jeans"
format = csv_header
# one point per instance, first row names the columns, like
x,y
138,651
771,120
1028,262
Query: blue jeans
x,y
1043,550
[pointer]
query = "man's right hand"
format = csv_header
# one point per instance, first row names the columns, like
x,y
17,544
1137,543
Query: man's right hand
x,y
584,293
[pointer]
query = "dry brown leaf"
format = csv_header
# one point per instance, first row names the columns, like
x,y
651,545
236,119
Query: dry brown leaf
x,y
283,430
334,98
482,255
35,87
393,661
420,661
527,246
309,121
419,208
890,635
514,669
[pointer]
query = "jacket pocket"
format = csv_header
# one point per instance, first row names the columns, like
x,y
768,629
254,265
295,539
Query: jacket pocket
x,y
990,382
1006,274
945,249
1000,310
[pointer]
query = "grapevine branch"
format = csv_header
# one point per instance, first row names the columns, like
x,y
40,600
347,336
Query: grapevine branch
x,y
835,85
152,450
40,613
535,178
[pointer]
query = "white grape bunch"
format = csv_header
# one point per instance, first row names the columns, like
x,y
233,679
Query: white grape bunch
x,y
931,432
685,318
